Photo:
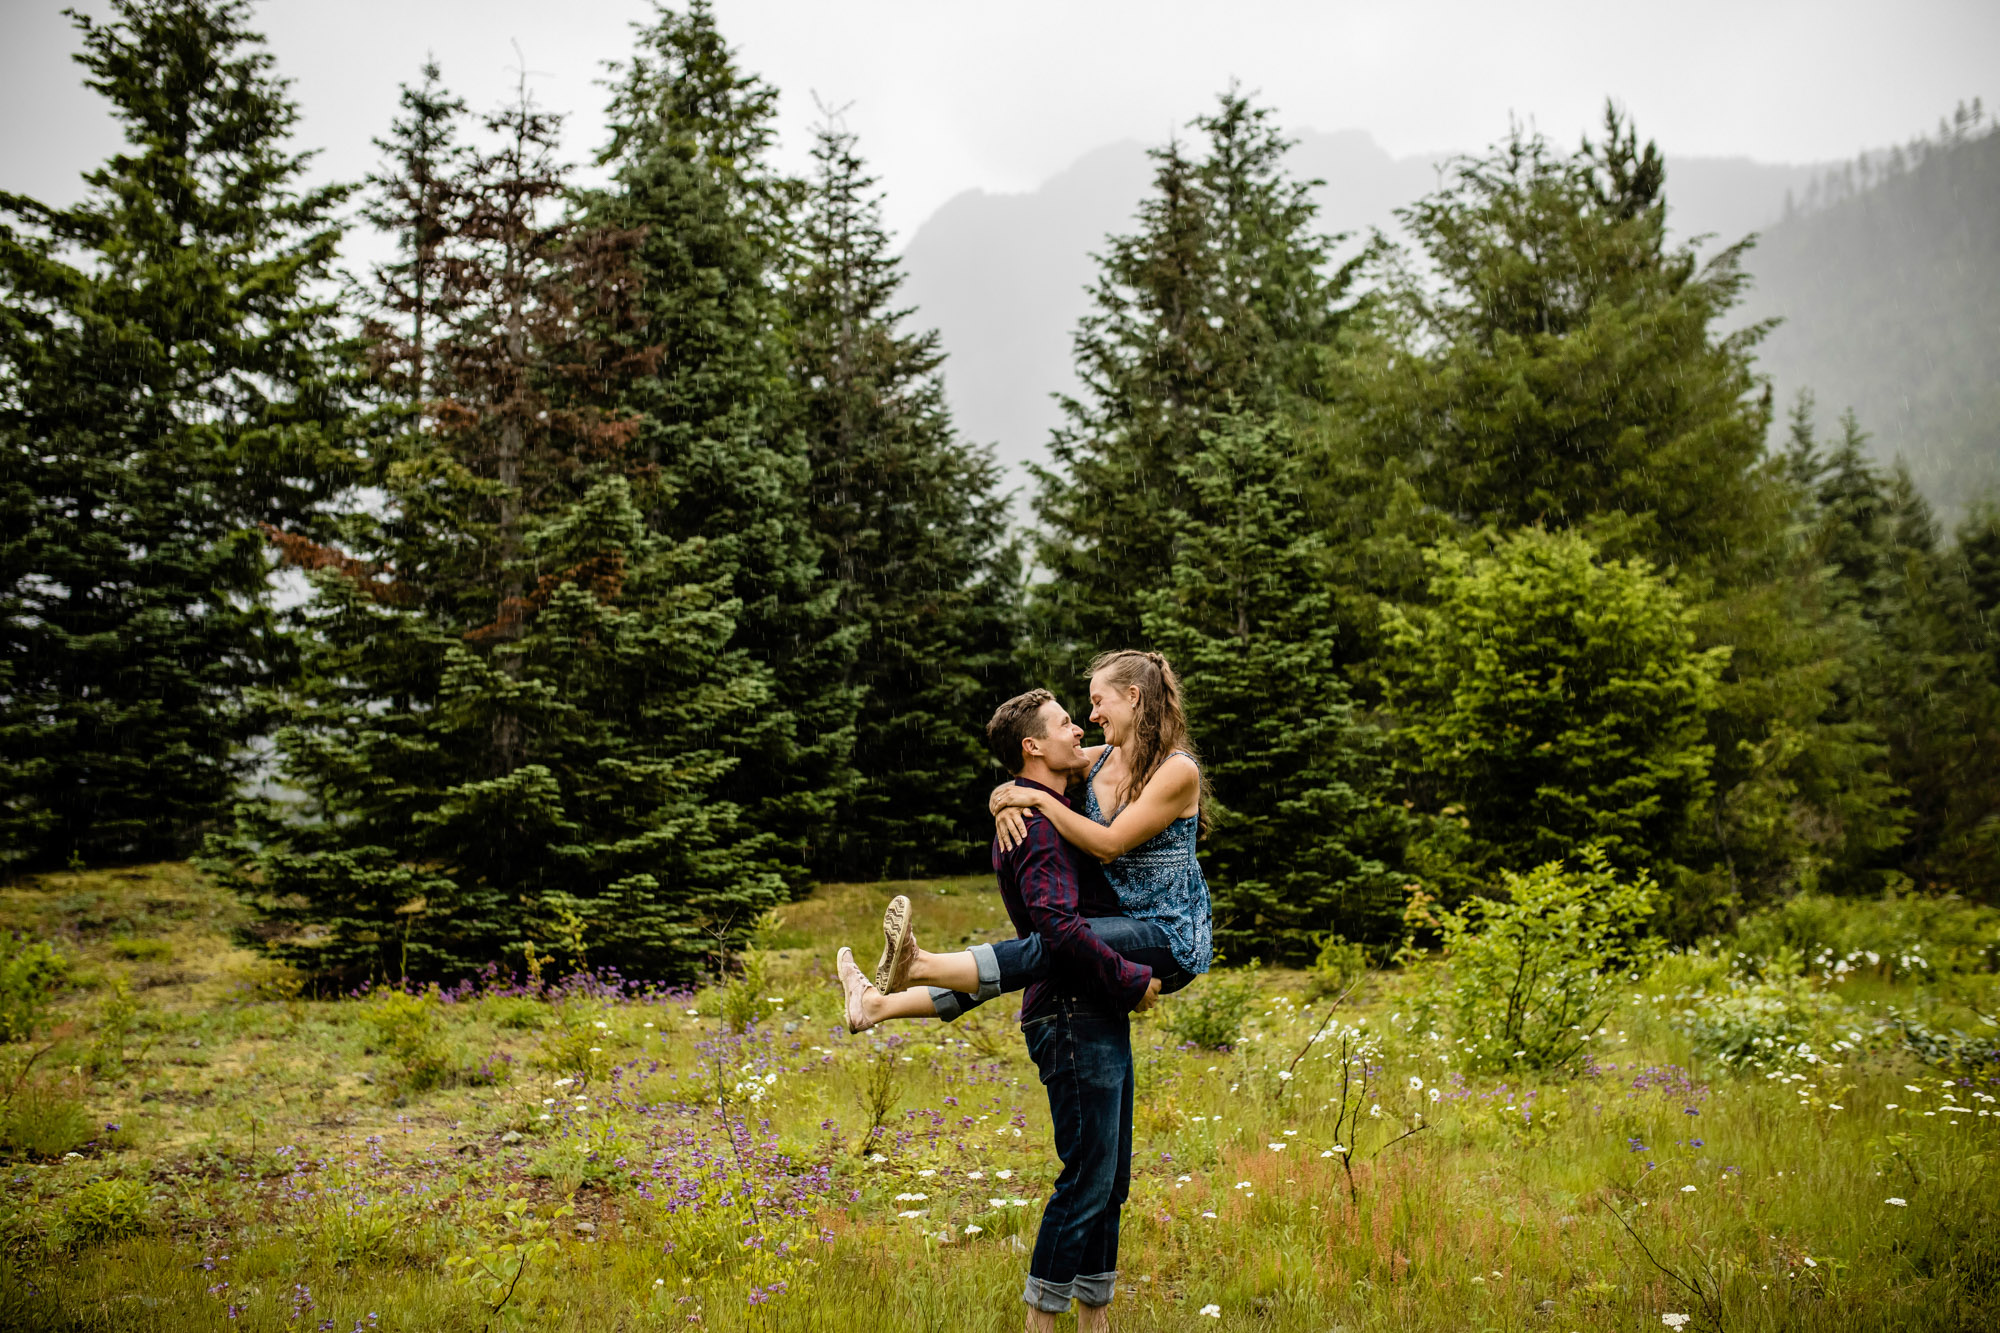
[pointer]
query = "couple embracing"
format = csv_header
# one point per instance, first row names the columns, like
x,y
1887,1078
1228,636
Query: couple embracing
x,y
1095,852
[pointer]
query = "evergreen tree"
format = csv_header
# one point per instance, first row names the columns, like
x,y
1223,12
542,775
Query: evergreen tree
x,y
1556,361
506,738
1219,302
730,467
415,200
910,537
1292,775
169,377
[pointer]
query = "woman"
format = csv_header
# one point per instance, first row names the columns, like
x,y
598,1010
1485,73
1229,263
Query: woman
x,y
1141,814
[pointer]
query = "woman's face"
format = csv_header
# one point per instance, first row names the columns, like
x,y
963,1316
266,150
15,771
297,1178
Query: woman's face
x,y
1113,707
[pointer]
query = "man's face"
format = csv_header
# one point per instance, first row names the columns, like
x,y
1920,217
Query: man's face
x,y
1061,743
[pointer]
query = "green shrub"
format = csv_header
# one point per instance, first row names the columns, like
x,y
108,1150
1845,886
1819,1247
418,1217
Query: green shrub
x,y
43,1119
116,1019
103,1210
1897,934
517,1013
408,1030
30,972
142,949
1338,965
1777,1022
1210,1013
742,1001
576,1045
1532,976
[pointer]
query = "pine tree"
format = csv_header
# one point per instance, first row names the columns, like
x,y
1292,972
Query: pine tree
x,y
690,132
910,534
1293,777
508,734
1219,302
1555,360
169,377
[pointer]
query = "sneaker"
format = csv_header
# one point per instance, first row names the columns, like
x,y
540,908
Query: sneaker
x,y
854,987
899,948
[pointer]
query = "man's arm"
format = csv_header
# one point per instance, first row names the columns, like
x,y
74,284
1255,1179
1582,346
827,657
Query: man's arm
x,y
1049,891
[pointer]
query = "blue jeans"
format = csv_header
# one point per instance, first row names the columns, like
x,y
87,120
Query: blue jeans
x,y
1012,964
1085,1058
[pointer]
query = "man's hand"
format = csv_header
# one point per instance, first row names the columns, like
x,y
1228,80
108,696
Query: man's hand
x,y
1146,1000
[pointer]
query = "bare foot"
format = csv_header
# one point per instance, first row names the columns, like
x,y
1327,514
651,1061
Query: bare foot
x,y
856,988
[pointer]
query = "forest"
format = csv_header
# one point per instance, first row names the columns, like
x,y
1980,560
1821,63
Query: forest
x,y
451,707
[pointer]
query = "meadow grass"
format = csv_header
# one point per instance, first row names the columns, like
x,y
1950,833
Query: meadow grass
x,y
598,1158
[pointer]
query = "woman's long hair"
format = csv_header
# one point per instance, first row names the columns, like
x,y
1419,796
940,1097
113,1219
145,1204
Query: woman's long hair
x,y
1159,724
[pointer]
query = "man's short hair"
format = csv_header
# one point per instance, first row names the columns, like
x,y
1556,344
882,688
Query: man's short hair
x,y
1013,722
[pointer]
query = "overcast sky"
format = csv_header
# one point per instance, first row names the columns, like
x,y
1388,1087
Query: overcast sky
x,y
951,96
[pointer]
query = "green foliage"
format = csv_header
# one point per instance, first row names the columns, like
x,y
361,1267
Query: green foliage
x,y
716,418
1558,698
1895,934
1554,360
407,1029
911,538
1336,967
31,971
1210,1014
103,1211
522,703
170,377
1534,975
1220,302
1291,776
43,1118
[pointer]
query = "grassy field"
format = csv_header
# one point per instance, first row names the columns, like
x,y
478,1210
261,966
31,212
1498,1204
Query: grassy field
x,y
197,1142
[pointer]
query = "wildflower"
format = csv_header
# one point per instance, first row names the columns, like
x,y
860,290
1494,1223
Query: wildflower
x,y
1019,1203
1687,1189
1674,1320
1889,1106
1275,1147
996,1203
1209,1216
974,1229
1184,1179
1897,1203
1290,1133
1435,1094
1810,1263
1911,1087
911,1198
911,1212
564,1082
1212,1311
1003,1175
658,1281
1416,1084
975,1175
927,1171
1243,1185
1376,1110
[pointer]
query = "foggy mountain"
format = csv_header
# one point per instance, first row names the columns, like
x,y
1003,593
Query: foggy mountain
x,y
1002,277
1891,302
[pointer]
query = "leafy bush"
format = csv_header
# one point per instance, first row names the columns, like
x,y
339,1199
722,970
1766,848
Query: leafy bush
x,y
1338,966
408,1030
104,1210
1534,975
1779,1021
30,972
575,1046
44,1119
1894,935
141,948
115,1021
516,1013
1210,1014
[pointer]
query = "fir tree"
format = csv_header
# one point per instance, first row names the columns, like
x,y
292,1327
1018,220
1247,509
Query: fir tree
x,y
1292,776
910,538
507,737
1555,360
169,377
689,135
1219,302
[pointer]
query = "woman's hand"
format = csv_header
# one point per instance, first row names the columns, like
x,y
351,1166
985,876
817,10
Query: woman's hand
x,y
1023,797
1010,825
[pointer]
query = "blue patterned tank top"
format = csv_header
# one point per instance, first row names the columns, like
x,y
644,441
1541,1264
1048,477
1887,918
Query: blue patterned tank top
x,y
1161,881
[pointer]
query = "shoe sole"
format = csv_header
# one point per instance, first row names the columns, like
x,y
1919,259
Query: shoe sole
x,y
893,972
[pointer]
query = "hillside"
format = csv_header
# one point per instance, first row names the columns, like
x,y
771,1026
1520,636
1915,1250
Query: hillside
x,y
1003,277
1891,305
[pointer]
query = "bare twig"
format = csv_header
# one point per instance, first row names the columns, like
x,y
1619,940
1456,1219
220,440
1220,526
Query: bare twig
x,y
1330,1011
1398,1139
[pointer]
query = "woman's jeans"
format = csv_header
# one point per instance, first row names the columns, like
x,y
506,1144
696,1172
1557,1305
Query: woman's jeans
x,y
1012,964
1085,1058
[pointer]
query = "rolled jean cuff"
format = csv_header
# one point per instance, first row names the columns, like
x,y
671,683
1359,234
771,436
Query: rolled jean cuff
x,y
1096,1289
1093,1289
1048,1297
988,964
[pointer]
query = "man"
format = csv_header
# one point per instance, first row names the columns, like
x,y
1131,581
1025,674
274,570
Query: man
x,y
1075,1020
